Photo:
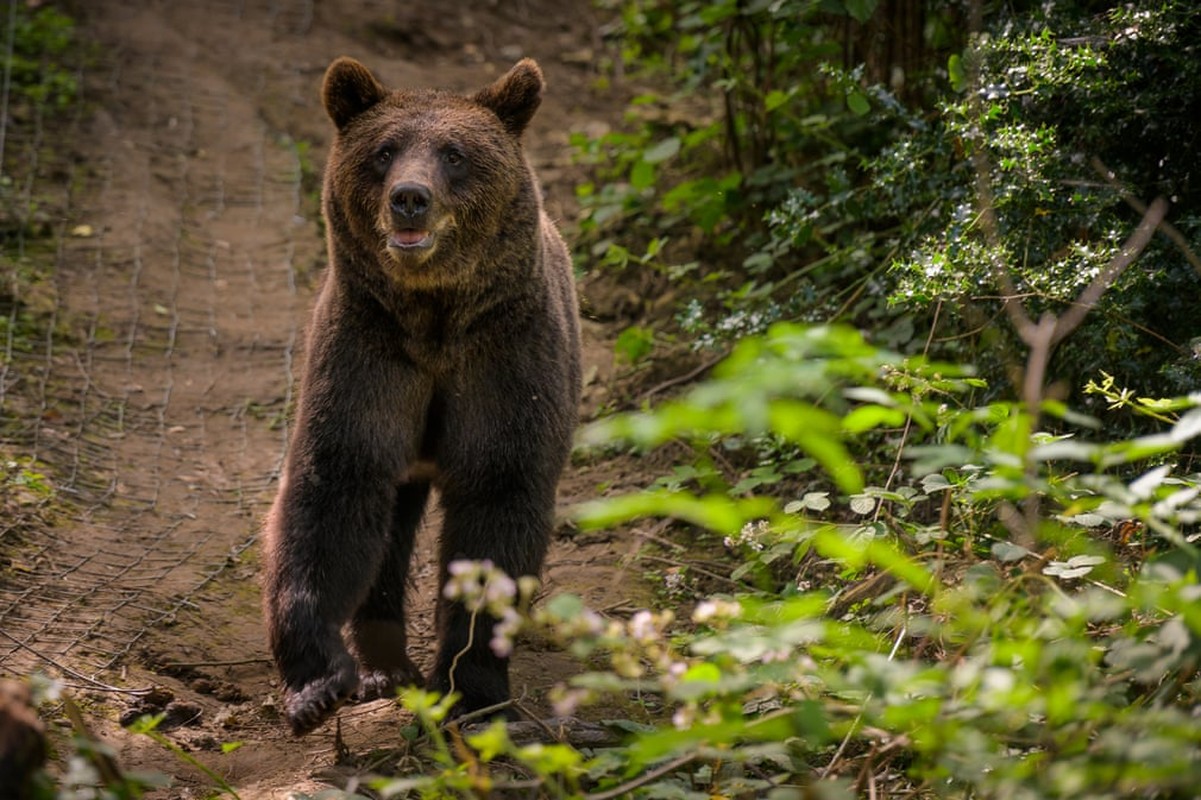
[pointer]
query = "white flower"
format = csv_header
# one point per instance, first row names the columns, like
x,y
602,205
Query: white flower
x,y
642,627
718,609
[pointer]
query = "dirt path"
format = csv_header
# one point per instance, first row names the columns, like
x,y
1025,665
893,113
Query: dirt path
x,y
160,397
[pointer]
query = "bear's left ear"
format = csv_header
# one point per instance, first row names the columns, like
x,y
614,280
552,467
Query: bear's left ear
x,y
515,96
349,90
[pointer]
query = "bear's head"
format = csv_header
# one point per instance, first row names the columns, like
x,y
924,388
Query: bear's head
x,y
425,182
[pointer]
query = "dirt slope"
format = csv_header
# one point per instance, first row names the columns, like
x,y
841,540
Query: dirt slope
x,y
159,397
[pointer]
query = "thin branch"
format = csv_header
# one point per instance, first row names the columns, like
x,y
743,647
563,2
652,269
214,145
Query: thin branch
x,y
642,780
692,565
1166,228
241,662
1138,241
988,221
479,713
92,683
855,725
538,721
678,379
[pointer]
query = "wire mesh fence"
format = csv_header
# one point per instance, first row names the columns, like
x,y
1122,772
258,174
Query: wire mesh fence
x,y
148,372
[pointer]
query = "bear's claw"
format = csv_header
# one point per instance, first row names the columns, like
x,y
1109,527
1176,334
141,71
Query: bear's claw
x,y
317,701
383,683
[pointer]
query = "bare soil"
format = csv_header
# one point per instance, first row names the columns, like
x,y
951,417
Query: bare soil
x,y
184,263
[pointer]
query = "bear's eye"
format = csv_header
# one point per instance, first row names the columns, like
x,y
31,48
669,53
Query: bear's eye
x,y
452,157
384,156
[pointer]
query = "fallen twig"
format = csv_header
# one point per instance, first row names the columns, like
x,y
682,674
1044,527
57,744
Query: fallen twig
x,y
642,780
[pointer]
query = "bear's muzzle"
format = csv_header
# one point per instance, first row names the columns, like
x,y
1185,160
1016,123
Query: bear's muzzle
x,y
410,205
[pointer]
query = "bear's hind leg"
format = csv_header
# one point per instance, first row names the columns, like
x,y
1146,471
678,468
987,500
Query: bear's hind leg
x,y
377,632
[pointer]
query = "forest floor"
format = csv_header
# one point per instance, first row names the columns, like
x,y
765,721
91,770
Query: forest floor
x,y
184,236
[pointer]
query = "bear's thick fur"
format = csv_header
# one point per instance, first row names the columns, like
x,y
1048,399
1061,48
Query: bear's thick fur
x,y
443,351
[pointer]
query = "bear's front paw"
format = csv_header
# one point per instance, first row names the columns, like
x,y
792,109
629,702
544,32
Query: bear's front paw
x,y
317,700
377,683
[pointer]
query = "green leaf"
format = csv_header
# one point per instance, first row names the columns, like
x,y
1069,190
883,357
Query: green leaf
x,y
935,482
634,344
642,174
551,759
718,513
814,501
863,504
1006,552
1074,567
491,742
861,10
857,102
956,72
775,99
700,679
565,606
661,151
1146,484
1188,427
865,418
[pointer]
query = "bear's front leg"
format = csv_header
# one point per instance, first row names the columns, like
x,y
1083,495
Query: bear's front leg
x,y
508,432
511,528
329,531
325,539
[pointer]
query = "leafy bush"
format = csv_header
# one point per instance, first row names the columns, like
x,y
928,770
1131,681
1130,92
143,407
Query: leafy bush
x,y
754,122
790,186
41,37
1071,128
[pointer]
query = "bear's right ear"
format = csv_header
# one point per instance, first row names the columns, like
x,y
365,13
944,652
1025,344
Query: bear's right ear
x,y
349,90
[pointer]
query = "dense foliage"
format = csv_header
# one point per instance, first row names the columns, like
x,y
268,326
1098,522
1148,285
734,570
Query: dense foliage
x,y
804,191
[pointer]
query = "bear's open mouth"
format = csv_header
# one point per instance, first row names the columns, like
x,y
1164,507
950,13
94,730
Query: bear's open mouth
x,y
409,239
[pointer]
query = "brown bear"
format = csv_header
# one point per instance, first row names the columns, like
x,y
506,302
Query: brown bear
x,y
443,351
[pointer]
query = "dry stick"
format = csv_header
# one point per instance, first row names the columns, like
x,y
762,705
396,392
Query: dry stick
x,y
1050,331
654,535
678,379
454,662
93,684
846,740
692,566
1166,228
241,662
537,720
479,713
1011,301
642,780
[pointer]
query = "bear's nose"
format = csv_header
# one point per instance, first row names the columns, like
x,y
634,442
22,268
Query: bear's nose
x,y
410,199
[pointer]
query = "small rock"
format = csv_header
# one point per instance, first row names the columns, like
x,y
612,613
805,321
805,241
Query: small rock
x,y
180,714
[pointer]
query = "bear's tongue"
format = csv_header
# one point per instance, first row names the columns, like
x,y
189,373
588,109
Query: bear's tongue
x,y
408,237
